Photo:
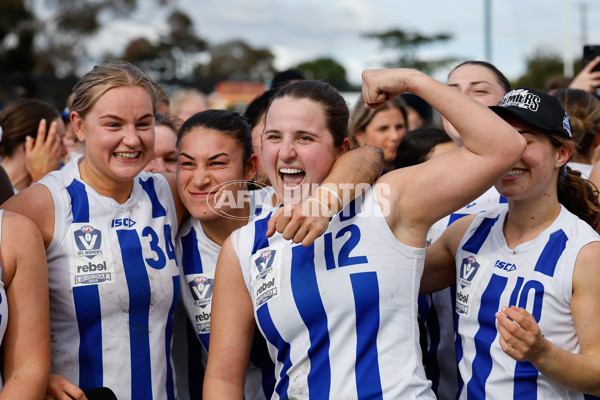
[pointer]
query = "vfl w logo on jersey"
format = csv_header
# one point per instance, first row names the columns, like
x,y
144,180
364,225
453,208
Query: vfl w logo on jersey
x,y
202,289
468,270
89,241
264,261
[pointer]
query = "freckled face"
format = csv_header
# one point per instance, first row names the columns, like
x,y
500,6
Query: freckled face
x,y
536,172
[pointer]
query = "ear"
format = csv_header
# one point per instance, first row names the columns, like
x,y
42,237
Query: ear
x,y
564,153
78,124
250,167
344,147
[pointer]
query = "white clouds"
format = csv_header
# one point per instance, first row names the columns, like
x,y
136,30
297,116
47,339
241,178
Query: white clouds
x,y
301,30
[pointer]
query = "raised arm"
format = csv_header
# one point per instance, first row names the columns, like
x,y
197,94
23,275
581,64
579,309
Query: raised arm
x,y
26,342
578,372
232,329
351,174
422,194
587,79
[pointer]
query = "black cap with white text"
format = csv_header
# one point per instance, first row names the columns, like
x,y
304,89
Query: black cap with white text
x,y
541,110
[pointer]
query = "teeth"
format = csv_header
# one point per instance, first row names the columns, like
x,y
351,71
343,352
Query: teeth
x,y
515,172
290,171
127,155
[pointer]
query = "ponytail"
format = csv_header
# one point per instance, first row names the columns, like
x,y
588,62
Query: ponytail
x,y
578,195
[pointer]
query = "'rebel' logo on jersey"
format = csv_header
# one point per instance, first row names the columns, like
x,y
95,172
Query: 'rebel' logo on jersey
x,y
202,289
265,260
468,270
89,241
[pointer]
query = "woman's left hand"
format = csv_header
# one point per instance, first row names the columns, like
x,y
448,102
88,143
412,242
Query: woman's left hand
x,y
43,154
520,335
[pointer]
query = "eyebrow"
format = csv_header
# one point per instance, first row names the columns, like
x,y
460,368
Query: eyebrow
x,y
217,156
186,155
470,83
121,119
296,132
209,158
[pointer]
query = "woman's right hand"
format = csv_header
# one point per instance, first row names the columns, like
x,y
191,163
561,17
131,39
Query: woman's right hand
x,y
43,154
60,388
380,85
301,222
587,79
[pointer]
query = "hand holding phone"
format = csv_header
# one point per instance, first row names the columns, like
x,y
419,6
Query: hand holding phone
x,y
590,52
588,78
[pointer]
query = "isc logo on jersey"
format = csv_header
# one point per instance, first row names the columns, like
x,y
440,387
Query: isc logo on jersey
x,y
505,266
201,288
468,270
89,241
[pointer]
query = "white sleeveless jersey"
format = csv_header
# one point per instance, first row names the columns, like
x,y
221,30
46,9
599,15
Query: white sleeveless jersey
x,y
437,309
487,201
199,261
3,302
114,285
339,316
536,275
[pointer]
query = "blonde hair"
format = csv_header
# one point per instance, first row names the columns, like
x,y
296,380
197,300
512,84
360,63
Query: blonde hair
x,y
102,78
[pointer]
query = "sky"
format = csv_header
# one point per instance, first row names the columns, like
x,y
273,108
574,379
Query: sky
x,y
302,30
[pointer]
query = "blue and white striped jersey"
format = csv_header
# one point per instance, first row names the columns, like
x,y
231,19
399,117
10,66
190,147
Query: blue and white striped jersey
x,y
199,261
339,316
437,309
114,285
536,275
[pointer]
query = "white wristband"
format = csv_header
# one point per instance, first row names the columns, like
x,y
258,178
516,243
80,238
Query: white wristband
x,y
321,203
337,196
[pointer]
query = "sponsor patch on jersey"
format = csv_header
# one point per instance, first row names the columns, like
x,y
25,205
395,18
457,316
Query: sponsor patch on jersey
x,y
200,286
90,264
468,270
471,270
264,261
265,275
88,240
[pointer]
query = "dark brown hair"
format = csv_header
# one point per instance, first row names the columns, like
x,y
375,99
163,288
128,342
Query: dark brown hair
x,y
20,118
334,106
502,80
577,194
